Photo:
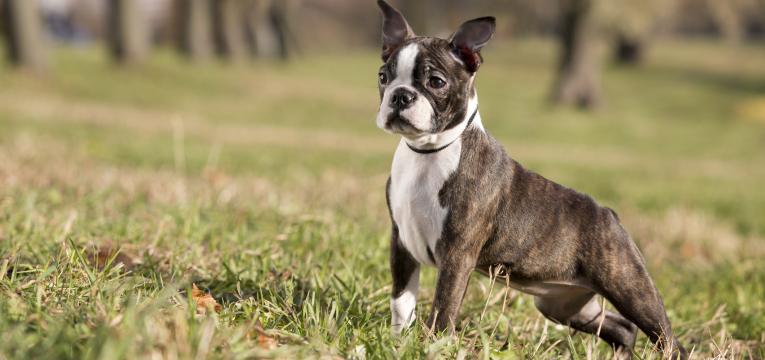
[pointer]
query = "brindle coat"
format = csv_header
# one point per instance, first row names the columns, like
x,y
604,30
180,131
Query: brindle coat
x,y
540,232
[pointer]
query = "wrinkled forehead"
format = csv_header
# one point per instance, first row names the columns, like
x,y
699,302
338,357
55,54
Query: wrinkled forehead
x,y
422,51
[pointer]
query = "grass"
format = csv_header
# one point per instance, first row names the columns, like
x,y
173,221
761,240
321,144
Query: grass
x,y
263,184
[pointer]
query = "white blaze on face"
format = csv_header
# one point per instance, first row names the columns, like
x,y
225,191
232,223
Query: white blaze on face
x,y
419,114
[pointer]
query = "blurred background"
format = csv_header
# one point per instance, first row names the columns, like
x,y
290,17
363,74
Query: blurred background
x,y
231,142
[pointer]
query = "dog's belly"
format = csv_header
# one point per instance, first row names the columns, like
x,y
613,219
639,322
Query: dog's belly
x,y
416,180
550,288
541,288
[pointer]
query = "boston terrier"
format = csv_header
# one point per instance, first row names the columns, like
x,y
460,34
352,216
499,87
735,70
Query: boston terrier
x,y
458,202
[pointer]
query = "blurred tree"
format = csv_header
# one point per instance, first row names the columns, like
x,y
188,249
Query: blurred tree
x,y
89,16
632,25
255,17
732,20
281,15
127,31
629,49
578,81
22,28
269,29
194,29
727,18
229,29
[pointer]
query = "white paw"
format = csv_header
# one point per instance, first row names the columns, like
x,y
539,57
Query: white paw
x,y
402,312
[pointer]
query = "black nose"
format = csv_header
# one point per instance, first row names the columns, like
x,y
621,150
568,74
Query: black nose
x,y
402,98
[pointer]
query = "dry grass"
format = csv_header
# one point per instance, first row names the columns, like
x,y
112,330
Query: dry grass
x,y
120,192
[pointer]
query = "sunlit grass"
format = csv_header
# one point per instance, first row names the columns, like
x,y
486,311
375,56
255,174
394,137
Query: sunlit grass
x,y
263,183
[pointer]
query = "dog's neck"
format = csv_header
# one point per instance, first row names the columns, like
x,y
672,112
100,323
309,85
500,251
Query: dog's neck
x,y
441,139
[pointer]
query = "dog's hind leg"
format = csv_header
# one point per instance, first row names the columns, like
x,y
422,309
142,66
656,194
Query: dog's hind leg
x,y
639,301
581,311
622,278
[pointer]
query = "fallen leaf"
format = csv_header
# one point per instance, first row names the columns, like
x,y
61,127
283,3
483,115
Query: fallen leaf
x,y
274,275
205,302
285,275
264,340
105,252
267,342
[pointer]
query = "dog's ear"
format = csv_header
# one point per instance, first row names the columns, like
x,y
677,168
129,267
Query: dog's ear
x,y
468,40
395,29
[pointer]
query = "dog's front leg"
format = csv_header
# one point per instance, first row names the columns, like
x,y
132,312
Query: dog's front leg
x,y
453,276
406,284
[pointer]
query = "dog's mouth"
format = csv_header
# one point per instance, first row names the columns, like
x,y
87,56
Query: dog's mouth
x,y
398,124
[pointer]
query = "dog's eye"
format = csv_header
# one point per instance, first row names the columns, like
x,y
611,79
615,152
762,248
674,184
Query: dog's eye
x,y
436,82
383,78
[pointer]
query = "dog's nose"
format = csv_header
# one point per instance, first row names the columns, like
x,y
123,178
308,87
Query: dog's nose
x,y
402,98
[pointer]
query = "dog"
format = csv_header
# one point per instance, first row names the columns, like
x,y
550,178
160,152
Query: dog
x,y
458,202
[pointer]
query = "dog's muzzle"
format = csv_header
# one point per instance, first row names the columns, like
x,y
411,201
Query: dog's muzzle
x,y
402,98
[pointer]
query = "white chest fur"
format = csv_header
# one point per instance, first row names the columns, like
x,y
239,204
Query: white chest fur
x,y
416,180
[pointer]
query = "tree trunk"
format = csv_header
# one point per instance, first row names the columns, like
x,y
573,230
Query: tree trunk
x,y
281,15
228,29
628,50
727,18
578,80
128,35
24,39
258,34
194,29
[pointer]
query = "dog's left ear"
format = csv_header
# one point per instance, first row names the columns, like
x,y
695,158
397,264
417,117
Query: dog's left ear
x,y
467,42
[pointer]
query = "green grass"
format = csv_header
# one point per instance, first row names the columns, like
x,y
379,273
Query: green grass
x,y
264,184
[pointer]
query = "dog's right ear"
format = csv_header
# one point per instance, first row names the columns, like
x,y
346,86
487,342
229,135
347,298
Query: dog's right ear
x,y
395,29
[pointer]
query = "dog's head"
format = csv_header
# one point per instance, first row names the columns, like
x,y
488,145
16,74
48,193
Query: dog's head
x,y
426,83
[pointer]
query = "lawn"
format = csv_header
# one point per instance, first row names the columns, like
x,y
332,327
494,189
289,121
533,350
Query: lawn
x,y
263,185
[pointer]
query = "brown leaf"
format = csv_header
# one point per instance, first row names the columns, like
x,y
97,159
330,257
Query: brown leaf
x,y
205,302
264,340
105,252
267,342
274,275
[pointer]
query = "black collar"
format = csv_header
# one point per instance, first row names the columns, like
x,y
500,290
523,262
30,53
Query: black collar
x,y
430,151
